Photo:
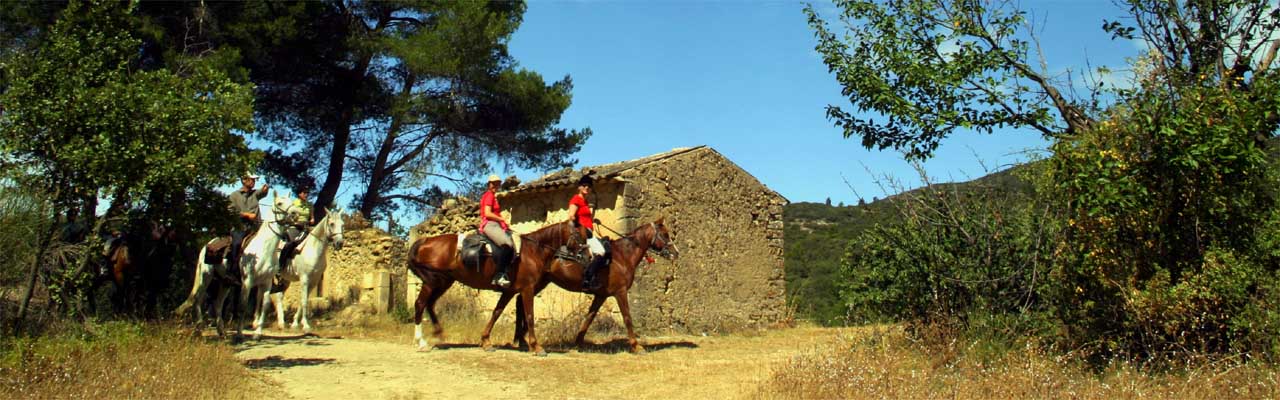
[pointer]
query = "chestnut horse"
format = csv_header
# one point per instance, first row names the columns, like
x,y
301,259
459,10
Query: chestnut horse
x,y
624,260
435,260
137,267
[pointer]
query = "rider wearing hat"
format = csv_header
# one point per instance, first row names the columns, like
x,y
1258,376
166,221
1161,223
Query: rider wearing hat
x,y
496,228
244,203
580,214
299,220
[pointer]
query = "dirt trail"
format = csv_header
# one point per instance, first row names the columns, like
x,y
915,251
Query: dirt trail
x,y
674,367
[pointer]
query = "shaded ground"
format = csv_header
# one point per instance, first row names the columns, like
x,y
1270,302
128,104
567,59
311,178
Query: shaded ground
x,y
317,367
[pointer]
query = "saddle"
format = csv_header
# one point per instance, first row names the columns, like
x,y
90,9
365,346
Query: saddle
x,y
216,251
583,255
473,249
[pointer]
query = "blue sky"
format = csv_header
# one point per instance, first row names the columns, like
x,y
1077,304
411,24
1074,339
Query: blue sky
x,y
743,78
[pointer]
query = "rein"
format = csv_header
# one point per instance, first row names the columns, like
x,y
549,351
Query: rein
x,y
665,242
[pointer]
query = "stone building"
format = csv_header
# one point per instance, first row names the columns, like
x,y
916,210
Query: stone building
x,y
726,223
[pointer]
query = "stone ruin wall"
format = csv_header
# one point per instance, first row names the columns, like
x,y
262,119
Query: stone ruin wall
x,y
728,228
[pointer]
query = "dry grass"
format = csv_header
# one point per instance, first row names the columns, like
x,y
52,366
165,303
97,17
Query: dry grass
x,y
463,321
119,360
882,363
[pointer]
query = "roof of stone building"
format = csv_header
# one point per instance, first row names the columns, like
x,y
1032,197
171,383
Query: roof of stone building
x,y
568,176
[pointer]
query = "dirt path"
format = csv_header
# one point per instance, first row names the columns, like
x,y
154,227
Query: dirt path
x,y
679,367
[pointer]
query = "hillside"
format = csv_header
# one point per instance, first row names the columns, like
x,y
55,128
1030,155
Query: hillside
x,y
817,234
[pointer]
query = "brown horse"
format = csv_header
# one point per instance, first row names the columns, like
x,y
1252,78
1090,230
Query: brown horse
x,y
137,267
435,260
624,260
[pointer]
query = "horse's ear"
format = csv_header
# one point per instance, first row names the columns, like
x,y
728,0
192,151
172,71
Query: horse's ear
x,y
660,220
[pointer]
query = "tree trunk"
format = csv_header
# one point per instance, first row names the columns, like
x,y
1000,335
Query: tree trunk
x,y
41,249
373,193
337,157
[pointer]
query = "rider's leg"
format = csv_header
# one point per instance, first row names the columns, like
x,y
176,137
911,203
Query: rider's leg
x,y
502,253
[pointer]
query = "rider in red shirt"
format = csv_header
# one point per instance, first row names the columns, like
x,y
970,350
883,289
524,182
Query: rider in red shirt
x,y
498,230
581,215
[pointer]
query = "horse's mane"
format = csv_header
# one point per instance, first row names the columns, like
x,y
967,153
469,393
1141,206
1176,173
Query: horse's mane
x,y
549,235
544,234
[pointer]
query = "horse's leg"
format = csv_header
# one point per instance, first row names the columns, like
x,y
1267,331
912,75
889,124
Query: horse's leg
x,y
305,286
497,312
520,328
264,301
625,308
244,308
526,298
596,302
218,304
277,299
436,293
418,307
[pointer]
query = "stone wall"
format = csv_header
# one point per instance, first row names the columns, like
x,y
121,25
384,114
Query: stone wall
x,y
727,225
728,228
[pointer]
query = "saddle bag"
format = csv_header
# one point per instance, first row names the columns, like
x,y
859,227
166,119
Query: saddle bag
x,y
216,251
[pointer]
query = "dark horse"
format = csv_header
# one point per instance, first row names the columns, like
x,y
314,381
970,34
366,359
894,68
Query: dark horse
x,y
624,260
138,267
435,260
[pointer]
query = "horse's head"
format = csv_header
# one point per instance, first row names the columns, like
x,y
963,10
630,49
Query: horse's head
x,y
280,205
661,240
333,224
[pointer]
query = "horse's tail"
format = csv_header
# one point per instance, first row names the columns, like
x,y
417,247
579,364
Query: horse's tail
x,y
196,284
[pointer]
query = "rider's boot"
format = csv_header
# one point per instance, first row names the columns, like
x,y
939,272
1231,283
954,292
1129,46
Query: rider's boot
x,y
591,276
502,261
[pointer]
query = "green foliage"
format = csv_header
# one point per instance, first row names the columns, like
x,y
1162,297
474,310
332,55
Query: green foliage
x,y
1154,218
393,96
930,67
104,126
960,253
24,216
1170,204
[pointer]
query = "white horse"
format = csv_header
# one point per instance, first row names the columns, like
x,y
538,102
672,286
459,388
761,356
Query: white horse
x,y
259,262
307,266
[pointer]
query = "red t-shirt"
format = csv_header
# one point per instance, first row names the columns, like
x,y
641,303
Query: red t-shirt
x,y
491,200
584,211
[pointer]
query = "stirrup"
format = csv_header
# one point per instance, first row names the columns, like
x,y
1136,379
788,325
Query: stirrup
x,y
502,281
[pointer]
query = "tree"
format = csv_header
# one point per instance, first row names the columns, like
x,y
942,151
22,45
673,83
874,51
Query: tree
x,y
83,117
930,67
395,94
1165,192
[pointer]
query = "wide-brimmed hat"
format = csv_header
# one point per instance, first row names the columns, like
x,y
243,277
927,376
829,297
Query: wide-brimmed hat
x,y
493,178
249,175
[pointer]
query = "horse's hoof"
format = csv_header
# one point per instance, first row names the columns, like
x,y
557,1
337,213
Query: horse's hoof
x,y
638,350
540,353
488,349
425,348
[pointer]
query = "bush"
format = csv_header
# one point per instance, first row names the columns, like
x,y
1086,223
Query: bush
x,y
1169,206
957,252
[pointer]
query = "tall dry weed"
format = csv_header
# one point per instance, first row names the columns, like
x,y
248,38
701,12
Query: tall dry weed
x,y
883,363
123,360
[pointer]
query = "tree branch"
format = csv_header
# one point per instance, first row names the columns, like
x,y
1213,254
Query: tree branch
x,y
417,150
1076,120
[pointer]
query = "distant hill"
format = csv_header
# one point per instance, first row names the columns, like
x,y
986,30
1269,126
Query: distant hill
x,y
817,234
